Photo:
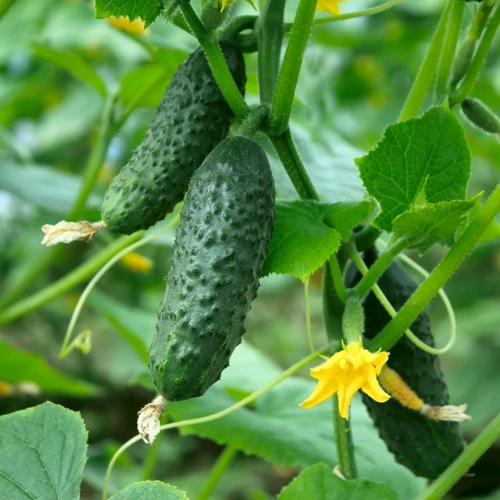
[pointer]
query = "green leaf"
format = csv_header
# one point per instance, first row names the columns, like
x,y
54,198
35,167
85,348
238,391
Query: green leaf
x,y
433,223
152,490
308,232
74,64
136,325
145,86
43,186
423,155
302,242
147,10
281,432
320,483
18,366
43,453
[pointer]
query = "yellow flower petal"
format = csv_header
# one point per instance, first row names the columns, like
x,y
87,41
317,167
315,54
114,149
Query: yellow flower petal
x,y
135,27
329,6
345,373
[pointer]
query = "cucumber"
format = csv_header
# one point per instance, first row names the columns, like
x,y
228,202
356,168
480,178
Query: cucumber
x,y
192,118
480,115
424,446
222,240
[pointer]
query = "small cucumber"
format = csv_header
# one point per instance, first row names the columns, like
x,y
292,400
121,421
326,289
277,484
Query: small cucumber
x,y
424,446
192,118
225,228
480,115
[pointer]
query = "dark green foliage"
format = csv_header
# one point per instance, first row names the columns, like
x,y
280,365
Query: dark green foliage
x,y
222,240
192,118
480,115
426,447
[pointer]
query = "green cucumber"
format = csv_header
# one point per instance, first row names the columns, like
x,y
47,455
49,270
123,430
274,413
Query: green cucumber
x,y
480,115
192,118
424,446
225,228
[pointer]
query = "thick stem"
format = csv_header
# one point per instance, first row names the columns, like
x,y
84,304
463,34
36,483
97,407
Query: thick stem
x,y
338,282
223,462
467,84
439,276
343,441
448,49
462,464
294,167
427,70
216,61
69,281
363,288
270,38
290,69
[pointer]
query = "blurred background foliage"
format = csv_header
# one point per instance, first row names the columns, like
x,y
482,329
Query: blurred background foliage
x,y
56,64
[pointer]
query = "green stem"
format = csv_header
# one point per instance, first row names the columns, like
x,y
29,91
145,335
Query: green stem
x,y
270,39
96,159
467,84
439,276
343,441
462,464
91,172
449,48
290,69
255,121
69,281
363,288
294,167
427,70
338,282
223,462
223,77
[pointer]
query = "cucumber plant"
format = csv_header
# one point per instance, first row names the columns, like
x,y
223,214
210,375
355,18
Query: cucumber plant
x,y
234,228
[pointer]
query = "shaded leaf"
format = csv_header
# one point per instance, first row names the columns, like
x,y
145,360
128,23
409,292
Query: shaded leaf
x,y
45,187
18,366
150,490
43,453
281,432
320,483
74,64
423,155
433,223
147,10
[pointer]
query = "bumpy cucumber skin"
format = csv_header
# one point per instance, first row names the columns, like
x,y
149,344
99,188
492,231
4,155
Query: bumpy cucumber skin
x,y
192,118
425,447
222,240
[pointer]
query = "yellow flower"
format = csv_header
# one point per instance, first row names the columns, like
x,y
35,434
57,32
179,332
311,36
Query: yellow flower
x,y
345,373
137,262
135,27
329,6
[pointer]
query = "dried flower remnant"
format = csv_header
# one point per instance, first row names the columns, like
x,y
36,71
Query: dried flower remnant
x,y
148,423
67,232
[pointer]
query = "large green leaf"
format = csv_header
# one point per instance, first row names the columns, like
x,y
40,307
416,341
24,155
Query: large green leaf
x,y
427,155
73,63
150,490
18,366
280,431
147,10
42,453
320,483
45,187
